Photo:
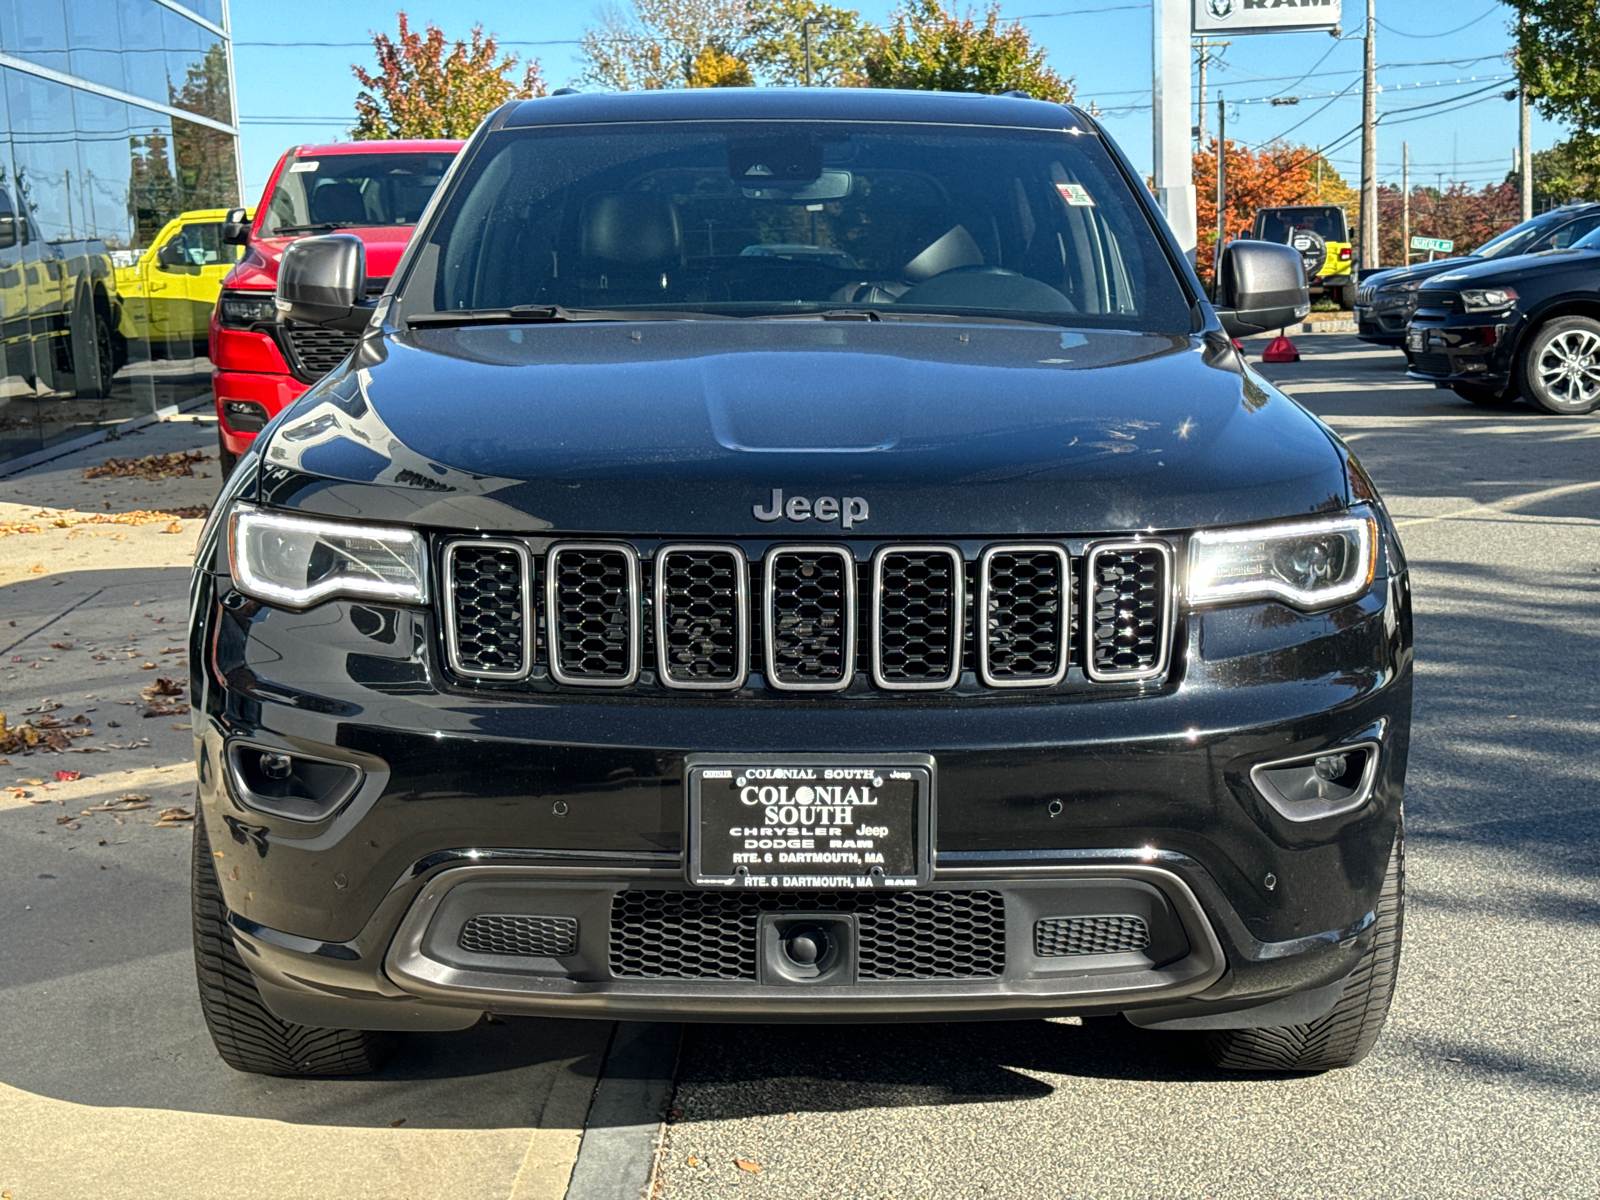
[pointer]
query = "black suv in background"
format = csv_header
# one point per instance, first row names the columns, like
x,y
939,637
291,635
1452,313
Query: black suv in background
x,y
791,555
1527,326
1386,300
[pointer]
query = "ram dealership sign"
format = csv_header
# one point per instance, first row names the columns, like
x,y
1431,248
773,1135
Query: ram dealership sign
x,y
1264,16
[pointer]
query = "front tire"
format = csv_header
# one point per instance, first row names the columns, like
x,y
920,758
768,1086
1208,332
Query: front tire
x,y
1561,366
227,460
246,1033
1343,1037
1347,297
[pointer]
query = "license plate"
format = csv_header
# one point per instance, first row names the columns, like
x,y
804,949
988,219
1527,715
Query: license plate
x,y
1417,341
809,822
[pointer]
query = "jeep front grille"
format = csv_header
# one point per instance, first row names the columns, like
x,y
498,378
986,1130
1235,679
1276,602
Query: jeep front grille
x,y
919,617
1130,601
899,935
702,616
809,614
592,602
1025,599
808,618
316,351
488,585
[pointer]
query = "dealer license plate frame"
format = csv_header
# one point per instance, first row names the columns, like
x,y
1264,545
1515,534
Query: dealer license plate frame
x,y
717,873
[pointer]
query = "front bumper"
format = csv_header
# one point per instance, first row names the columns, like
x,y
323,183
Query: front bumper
x,y
473,804
1461,348
1383,326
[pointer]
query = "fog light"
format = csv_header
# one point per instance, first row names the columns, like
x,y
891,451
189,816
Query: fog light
x,y
276,766
1319,785
244,416
1329,767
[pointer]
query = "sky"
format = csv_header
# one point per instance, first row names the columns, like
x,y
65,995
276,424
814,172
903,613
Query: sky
x,y
1441,73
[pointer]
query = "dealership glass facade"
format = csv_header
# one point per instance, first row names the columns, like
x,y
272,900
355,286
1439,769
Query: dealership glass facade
x,y
115,117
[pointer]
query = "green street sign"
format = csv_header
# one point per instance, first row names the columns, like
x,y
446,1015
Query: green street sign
x,y
1442,245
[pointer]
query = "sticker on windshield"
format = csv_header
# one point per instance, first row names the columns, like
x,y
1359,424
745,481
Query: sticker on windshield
x,y
295,168
1075,195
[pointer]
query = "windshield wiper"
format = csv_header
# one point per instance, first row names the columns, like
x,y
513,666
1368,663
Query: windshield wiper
x,y
312,228
539,314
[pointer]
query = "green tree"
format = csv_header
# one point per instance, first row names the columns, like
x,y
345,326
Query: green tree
x,y
1561,174
425,87
205,156
840,41
657,43
1557,46
930,48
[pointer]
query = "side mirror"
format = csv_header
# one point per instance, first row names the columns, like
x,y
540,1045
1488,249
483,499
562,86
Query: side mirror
x,y
1261,286
323,281
171,254
8,231
236,228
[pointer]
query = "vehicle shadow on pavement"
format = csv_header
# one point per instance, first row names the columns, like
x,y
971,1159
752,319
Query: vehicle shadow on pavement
x,y
733,1071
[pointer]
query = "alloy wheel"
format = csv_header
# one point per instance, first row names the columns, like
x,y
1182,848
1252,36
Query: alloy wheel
x,y
1568,368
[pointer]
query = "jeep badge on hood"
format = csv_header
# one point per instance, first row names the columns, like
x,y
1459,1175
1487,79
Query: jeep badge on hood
x,y
851,510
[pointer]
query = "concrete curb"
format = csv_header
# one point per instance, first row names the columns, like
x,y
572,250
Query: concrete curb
x,y
617,1158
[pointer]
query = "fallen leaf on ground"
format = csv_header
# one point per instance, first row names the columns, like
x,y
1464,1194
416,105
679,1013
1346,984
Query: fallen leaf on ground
x,y
18,793
61,645
69,821
691,1161
166,710
36,569
151,466
177,725
396,1122
175,527
30,782
148,667
162,687
68,776
744,1164
173,816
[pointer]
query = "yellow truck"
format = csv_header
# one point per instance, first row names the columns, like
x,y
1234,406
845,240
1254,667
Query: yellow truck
x,y
1321,233
169,291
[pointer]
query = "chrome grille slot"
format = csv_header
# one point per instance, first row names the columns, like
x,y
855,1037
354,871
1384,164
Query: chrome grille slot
x,y
488,628
809,617
592,603
702,603
1130,610
316,350
918,617
1024,609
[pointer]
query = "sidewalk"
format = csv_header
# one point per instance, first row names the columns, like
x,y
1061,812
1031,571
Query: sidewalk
x,y
108,1081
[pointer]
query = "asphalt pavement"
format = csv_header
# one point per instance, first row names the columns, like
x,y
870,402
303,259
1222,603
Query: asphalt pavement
x,y
1487,1080
1484,1085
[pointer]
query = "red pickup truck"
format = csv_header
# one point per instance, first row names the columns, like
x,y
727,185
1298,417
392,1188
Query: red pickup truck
x,y
375,190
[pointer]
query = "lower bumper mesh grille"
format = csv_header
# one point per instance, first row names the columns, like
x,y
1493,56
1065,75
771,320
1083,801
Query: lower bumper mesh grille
x,y
900,935
1431,364
318,351
1058,937
528,937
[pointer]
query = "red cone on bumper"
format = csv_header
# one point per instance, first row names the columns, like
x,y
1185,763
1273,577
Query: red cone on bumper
x,y
1280,349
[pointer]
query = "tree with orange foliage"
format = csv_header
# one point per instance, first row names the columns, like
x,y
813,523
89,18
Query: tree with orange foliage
x,y
1277,174
425,87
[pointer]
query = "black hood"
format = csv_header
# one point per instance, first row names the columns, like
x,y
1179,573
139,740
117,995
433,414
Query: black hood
x,y
1498,271
1423,270
686,428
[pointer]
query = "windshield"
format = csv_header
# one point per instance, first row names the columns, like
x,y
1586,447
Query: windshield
x,y
339,191
1277,224
1518,238
749,219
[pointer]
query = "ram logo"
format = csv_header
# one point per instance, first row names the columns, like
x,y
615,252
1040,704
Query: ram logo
x,y
1220,9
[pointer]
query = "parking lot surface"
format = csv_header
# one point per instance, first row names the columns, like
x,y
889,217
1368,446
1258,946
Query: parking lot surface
x,y
1483,1086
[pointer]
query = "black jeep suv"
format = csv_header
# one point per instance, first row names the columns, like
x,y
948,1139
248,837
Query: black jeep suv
x,y
1527,326
1386,300
930,618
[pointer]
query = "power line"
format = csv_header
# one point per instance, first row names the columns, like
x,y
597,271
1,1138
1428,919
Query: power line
x,y
1446,33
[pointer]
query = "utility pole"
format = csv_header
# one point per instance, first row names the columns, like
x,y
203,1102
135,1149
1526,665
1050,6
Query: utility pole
x,y
1171,112
1369,145
1222,193
1525,121
1405,201
1205,47
807,26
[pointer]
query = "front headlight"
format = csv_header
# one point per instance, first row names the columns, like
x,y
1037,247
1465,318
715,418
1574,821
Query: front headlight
x,y
245,311
1487,299
1309,564
298,561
